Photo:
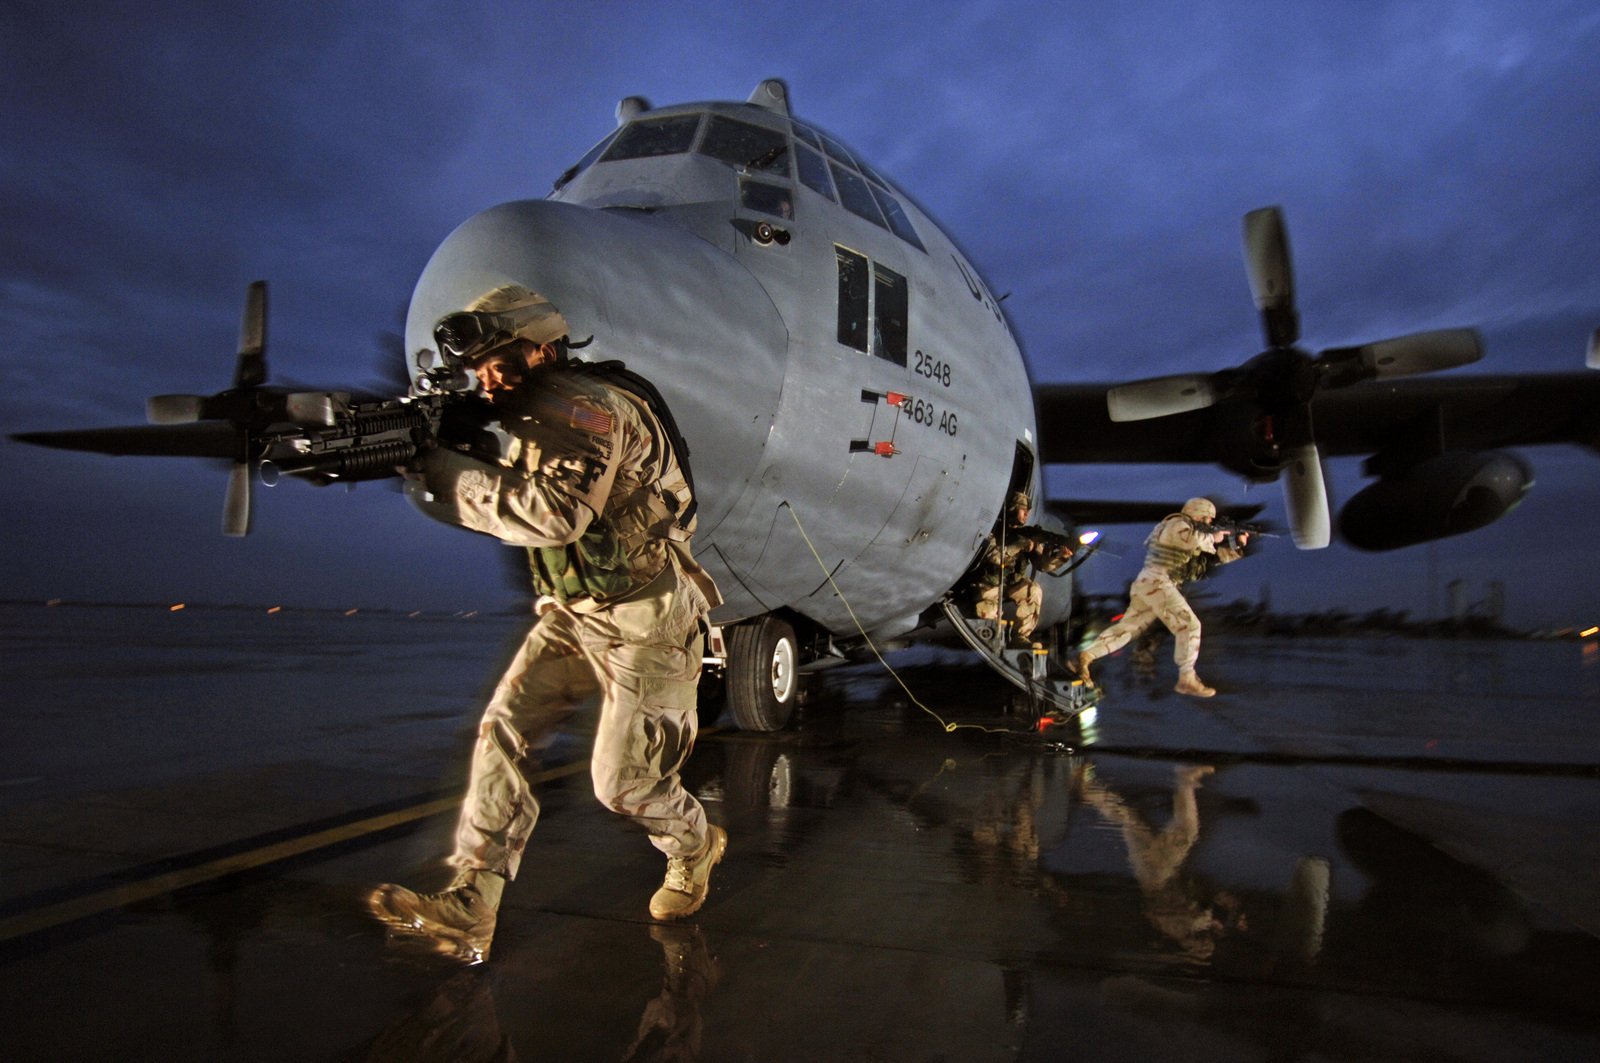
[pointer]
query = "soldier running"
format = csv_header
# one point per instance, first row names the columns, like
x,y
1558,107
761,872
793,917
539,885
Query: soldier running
x,y
592,487
1172,549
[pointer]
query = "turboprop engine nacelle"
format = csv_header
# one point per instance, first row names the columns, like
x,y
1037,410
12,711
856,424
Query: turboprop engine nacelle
x,y
1449,494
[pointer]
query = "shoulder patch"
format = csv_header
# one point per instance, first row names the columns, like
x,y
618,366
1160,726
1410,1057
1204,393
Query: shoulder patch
x,y
573,413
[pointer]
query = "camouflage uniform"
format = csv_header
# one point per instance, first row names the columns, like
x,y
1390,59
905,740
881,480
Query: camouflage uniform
x,y
1007,574
591,487
1172,547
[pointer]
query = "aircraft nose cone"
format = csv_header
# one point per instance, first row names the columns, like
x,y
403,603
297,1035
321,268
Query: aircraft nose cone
x,y
653,295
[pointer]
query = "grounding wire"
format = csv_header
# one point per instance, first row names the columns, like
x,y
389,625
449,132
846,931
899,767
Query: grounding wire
x,y
947,726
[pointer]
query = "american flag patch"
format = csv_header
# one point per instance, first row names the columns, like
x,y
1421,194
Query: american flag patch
x,y
575,415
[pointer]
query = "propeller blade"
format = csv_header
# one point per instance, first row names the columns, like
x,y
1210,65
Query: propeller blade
x,y
236,509
174,409
1160,397
1419,352
252,369
208,440
1266,256
1306,497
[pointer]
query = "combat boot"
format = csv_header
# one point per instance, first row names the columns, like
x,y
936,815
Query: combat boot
x,y
1189,683
459,920
688,879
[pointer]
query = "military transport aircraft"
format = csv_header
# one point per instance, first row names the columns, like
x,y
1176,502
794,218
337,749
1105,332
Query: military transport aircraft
x,y
855,404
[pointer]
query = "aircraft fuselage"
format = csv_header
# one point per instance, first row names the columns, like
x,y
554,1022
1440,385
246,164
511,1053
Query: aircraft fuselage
x,y
853,398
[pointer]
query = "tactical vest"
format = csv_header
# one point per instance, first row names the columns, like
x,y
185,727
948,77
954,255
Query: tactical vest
x,y
1173,560
597,565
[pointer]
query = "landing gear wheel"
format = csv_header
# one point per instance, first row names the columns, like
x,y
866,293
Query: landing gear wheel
x,y
763,673
711,696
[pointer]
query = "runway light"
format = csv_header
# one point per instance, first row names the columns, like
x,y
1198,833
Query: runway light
x,y
178,608
414,615
1585,634
275,609
1088,537
352,612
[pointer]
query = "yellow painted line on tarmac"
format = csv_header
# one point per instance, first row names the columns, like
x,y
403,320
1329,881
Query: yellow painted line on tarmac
x,y
172,881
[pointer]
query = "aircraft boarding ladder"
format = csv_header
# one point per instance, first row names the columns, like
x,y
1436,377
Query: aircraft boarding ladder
x,y
1056,695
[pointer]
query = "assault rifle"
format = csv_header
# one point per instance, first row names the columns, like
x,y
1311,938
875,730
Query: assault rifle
x,y
1232,529
328,437
1054,547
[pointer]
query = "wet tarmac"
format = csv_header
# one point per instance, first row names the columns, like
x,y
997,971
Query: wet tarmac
x,y
1360,850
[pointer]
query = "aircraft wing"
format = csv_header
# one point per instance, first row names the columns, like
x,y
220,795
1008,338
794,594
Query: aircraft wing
x,y
1078,512
1433,445
1466,412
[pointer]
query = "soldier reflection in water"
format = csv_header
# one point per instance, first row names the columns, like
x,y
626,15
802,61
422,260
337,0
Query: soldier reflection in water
x,y
461,1024
1156,859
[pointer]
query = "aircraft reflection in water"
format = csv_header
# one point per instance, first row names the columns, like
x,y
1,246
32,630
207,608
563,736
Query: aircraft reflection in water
x,y
855,403
1038,896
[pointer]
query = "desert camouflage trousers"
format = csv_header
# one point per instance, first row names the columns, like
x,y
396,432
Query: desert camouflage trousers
x,y
1027,595
641,656
1153,597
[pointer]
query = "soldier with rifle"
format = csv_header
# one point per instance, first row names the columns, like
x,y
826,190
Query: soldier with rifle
x,y
594,484
1012,554
1179,549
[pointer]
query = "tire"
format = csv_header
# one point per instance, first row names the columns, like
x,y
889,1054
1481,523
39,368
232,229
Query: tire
x,y
763,678
711,696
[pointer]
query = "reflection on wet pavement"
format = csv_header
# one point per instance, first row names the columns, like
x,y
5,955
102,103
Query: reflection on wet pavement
x,y
893,891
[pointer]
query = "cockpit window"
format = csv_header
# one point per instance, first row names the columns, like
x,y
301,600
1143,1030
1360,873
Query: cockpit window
x,y
807,134
856,196
750,147
839,151
870,174
898,222
584,163
651,137
813,171
768,199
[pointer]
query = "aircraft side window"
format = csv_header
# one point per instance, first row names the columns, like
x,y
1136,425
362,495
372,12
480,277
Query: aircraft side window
x,y
651,137
898,222
813,171
768,199
856,196
747,146
854,292
893,310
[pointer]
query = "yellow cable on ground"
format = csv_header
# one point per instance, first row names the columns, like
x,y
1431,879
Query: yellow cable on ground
x,y
943,723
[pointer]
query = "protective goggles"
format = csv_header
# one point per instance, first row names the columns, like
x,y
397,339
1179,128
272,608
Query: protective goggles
x,y
470,334
466,335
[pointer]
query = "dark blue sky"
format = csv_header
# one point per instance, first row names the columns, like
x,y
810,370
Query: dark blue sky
x,y
1439,165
